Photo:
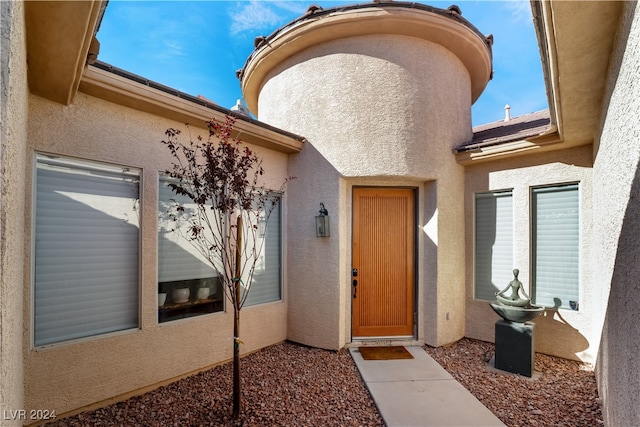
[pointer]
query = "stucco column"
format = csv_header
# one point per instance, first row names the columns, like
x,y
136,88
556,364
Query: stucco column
x,y
13,153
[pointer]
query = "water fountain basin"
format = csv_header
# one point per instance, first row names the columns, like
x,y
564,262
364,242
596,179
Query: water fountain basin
x,y
517,314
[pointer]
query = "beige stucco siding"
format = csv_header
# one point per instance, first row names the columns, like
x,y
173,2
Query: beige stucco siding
x,y
377,105
617,204
379,110
13,149
315,265
95,369
566,333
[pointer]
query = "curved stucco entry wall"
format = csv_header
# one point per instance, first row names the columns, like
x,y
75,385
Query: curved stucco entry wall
x,y
379,105
382,93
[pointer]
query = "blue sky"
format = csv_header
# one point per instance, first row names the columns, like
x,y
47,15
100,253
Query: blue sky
x,y
197,46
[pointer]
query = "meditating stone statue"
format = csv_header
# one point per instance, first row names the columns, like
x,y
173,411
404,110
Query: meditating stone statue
x,y
514,299
511,306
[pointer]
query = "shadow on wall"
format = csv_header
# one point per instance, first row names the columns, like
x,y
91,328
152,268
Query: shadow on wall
x,y
313,263
618,359
552,324
430,264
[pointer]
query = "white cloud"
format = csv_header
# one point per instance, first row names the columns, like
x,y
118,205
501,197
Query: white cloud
x,y
171,50
296,7
520,10
255,15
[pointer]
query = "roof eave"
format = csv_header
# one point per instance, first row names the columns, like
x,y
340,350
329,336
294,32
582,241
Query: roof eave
x,y
130,93
439,26
59,36
545,141
571,61
575,62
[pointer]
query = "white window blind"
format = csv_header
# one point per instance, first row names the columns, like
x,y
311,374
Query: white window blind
x,y
178,259
493,243
266,286
86,250
556,243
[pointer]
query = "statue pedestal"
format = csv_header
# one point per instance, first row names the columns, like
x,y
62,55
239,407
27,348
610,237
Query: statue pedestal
x,y
515,347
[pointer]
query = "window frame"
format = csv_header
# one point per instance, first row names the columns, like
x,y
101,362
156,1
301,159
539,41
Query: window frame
x,y
170,312
533,244
280,254
79,164
163,178
506,192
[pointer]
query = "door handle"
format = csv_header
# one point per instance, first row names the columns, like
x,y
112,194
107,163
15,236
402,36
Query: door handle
x,y
354,283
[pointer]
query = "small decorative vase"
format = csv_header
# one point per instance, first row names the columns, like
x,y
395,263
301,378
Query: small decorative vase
x,y
180,295
162,298
203,293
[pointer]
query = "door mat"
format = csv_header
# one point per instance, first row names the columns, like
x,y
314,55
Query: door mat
x,y
385,353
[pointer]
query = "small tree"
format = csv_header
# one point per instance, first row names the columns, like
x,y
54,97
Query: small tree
x,y
221,177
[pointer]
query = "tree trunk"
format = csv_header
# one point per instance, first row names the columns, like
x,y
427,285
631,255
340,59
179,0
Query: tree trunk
x,y
236,324
236,364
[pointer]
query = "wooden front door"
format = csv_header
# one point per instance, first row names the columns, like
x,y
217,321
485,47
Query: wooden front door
x,y
383,262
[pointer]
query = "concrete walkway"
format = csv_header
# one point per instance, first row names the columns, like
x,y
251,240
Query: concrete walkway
x,y
418,392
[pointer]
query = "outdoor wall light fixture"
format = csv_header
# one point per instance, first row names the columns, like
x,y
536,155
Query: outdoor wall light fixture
x,y
322,222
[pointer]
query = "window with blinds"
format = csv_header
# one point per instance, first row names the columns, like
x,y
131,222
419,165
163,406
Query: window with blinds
x,y
493,243
267,277
178,259
87,222
180,264
555,245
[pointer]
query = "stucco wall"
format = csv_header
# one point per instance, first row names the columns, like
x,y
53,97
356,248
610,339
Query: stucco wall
x,y
376,110
565,333
67,376
617,207
13,147
373,105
